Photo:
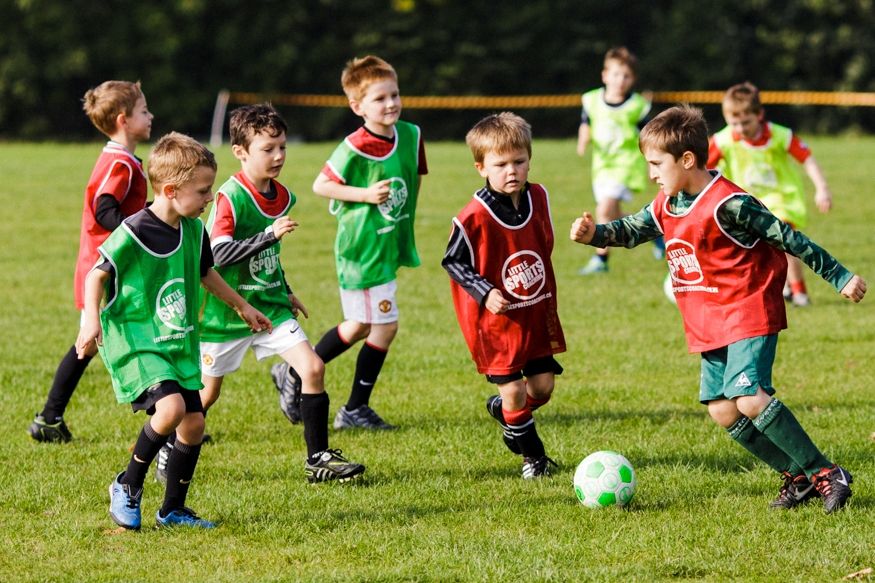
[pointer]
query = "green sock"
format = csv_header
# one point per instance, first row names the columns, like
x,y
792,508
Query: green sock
x,y
750,438
779,424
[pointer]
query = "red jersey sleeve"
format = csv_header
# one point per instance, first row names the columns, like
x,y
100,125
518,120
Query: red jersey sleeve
x,y
714,153
116,183
799,149
223,222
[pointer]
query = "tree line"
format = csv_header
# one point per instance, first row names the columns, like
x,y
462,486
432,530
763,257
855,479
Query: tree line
x,y
185,51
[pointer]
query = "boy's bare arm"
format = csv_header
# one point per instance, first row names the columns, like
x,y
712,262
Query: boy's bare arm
x,y
583,229
217,286
583,135
376,193
855,289
822,194
95,283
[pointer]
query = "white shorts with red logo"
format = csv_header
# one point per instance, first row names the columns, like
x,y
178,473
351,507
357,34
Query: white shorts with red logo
x,y
374,305
221,358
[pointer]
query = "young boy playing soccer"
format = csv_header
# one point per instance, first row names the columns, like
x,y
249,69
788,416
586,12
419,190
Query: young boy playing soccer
x,y
758,155
610,120
373,180
246,226
725,253
504,290
117,189
147,331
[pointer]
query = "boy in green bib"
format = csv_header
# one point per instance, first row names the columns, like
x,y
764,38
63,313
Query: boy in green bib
x,y
147,330
761,157
246,226
372,179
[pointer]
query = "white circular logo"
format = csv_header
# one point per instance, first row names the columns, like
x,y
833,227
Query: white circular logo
x,y
170,305
264,264
393,207
682,262
523,275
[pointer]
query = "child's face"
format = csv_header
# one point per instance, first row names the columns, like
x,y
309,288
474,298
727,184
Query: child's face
x,y
618,78
138,125
191,198
506,172
380,106
264,158
669,173
746,124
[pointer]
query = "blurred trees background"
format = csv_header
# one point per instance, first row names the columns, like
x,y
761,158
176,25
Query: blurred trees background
x,y
185,51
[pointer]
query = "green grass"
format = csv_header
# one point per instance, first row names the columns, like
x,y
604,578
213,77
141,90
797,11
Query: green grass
x,y
442,498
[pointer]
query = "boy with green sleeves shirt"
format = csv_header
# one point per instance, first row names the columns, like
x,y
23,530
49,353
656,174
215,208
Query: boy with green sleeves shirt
x,y
148,333
372,179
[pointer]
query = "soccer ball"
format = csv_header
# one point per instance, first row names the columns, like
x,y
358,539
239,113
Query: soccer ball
x,y
604,478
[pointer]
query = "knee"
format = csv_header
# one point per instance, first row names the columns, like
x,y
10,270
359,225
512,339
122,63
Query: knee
x,y
723,412
381,335
753,405
191,430
313,372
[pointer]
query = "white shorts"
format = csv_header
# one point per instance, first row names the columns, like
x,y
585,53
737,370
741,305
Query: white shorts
x,y
221,358
374,305
610,190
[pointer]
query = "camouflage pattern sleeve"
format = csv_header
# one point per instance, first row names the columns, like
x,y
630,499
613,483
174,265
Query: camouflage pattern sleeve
x,y
746,219
630,231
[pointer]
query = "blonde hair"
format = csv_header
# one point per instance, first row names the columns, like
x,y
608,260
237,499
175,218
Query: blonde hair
x,y
677,130
499,133
743,98
623,56
175,158
103,104
359,74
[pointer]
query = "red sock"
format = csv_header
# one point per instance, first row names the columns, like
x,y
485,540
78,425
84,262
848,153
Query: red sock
x,y
517,418
533,403
797,287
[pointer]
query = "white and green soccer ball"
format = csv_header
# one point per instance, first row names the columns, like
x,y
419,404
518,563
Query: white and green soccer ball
x,y
604,478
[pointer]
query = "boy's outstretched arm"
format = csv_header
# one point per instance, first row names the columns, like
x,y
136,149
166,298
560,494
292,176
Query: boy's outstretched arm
x,y
376,193
95,283
583,228
217,286
855,289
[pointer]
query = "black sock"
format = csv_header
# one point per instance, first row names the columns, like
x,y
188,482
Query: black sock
x,y
145,450
67,376
367,368
180,470
314,414
331,345
530,443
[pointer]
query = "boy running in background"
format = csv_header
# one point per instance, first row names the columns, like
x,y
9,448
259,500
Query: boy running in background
x,y
725,253
759,155
373,180
610,119
147,331
246,226
117,189
504,290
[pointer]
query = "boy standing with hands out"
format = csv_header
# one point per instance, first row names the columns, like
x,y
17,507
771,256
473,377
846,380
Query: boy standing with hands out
x,y
725,252
147,331
504,290
246,226
759,155
373,180
117,189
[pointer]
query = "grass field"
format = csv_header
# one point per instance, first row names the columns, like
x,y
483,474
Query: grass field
x,y
442,499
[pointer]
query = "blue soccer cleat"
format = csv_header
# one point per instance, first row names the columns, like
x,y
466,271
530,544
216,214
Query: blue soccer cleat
x,y
182,517
124,504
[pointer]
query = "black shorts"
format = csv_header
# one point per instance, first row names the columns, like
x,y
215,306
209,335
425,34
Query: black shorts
x,y
530,369
147,399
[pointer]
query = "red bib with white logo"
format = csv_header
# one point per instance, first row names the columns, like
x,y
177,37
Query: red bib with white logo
x,y
725,291
516,260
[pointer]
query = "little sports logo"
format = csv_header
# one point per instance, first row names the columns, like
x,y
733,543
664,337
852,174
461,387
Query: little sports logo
x,y
170,306
523,275
264,265
682,263
393,207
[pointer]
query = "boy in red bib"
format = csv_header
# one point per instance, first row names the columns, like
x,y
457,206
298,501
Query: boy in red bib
x,y
725,254
503,286
115,191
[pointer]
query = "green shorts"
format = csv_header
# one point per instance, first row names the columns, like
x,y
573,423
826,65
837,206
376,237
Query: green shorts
x,y
738,369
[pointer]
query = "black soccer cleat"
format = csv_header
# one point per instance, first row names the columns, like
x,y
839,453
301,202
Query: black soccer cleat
x,y
493,406
45,432
331,465
288,383
537,467
161,462
834,485
795,491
